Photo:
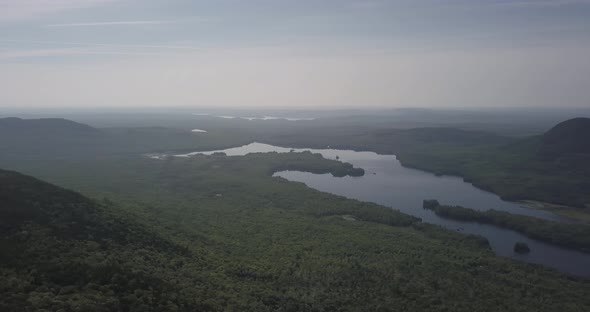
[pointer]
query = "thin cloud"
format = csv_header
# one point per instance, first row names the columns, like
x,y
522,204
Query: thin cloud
x,y
37,53
115,23
542,3
10,54
365,4
15,10
107,45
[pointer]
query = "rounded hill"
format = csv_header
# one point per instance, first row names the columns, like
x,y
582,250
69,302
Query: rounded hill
x,y
569,137
43,126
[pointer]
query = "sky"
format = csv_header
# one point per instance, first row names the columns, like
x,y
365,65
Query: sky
x,y
294,53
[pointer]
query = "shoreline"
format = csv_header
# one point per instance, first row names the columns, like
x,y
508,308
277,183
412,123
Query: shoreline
x,y
574,213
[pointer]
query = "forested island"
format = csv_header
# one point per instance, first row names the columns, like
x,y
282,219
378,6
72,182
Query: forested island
x,y
315,163
572,235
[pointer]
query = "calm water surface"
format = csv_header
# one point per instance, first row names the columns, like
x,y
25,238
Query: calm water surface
x,y
388,183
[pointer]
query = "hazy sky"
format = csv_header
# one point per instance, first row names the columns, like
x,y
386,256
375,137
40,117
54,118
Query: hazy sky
x,y
294,53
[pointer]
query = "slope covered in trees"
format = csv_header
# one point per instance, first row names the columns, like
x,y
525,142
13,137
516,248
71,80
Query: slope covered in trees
x,y
62,251
33,145
217,233
566,138
46,126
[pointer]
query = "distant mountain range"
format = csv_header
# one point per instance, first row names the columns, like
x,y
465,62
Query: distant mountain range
x,y
46,126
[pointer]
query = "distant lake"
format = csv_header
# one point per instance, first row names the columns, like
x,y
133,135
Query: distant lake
x,y
256,117
388,183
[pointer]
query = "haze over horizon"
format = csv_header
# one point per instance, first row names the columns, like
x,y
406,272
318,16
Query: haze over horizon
x,y
288,54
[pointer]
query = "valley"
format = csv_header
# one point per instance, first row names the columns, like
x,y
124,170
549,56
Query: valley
x,y
219,232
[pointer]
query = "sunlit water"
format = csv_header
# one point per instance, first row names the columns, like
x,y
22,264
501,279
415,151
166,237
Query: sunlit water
x,y
388,183
256,117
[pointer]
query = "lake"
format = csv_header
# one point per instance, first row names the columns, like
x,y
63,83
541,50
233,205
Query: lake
x,y
388,183
257,117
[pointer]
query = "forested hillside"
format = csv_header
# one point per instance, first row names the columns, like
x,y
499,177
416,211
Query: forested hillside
x,y
218,233
567,138
63,251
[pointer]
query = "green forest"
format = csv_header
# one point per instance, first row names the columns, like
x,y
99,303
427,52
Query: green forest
x,y
572,235
218,233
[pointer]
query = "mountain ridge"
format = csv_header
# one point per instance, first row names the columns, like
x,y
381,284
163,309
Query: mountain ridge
x,y
568,137
44,125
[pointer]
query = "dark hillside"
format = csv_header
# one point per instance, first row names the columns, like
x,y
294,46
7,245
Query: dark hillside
x,y
60,251
47,126
40,143
26,199
569,137
23,139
